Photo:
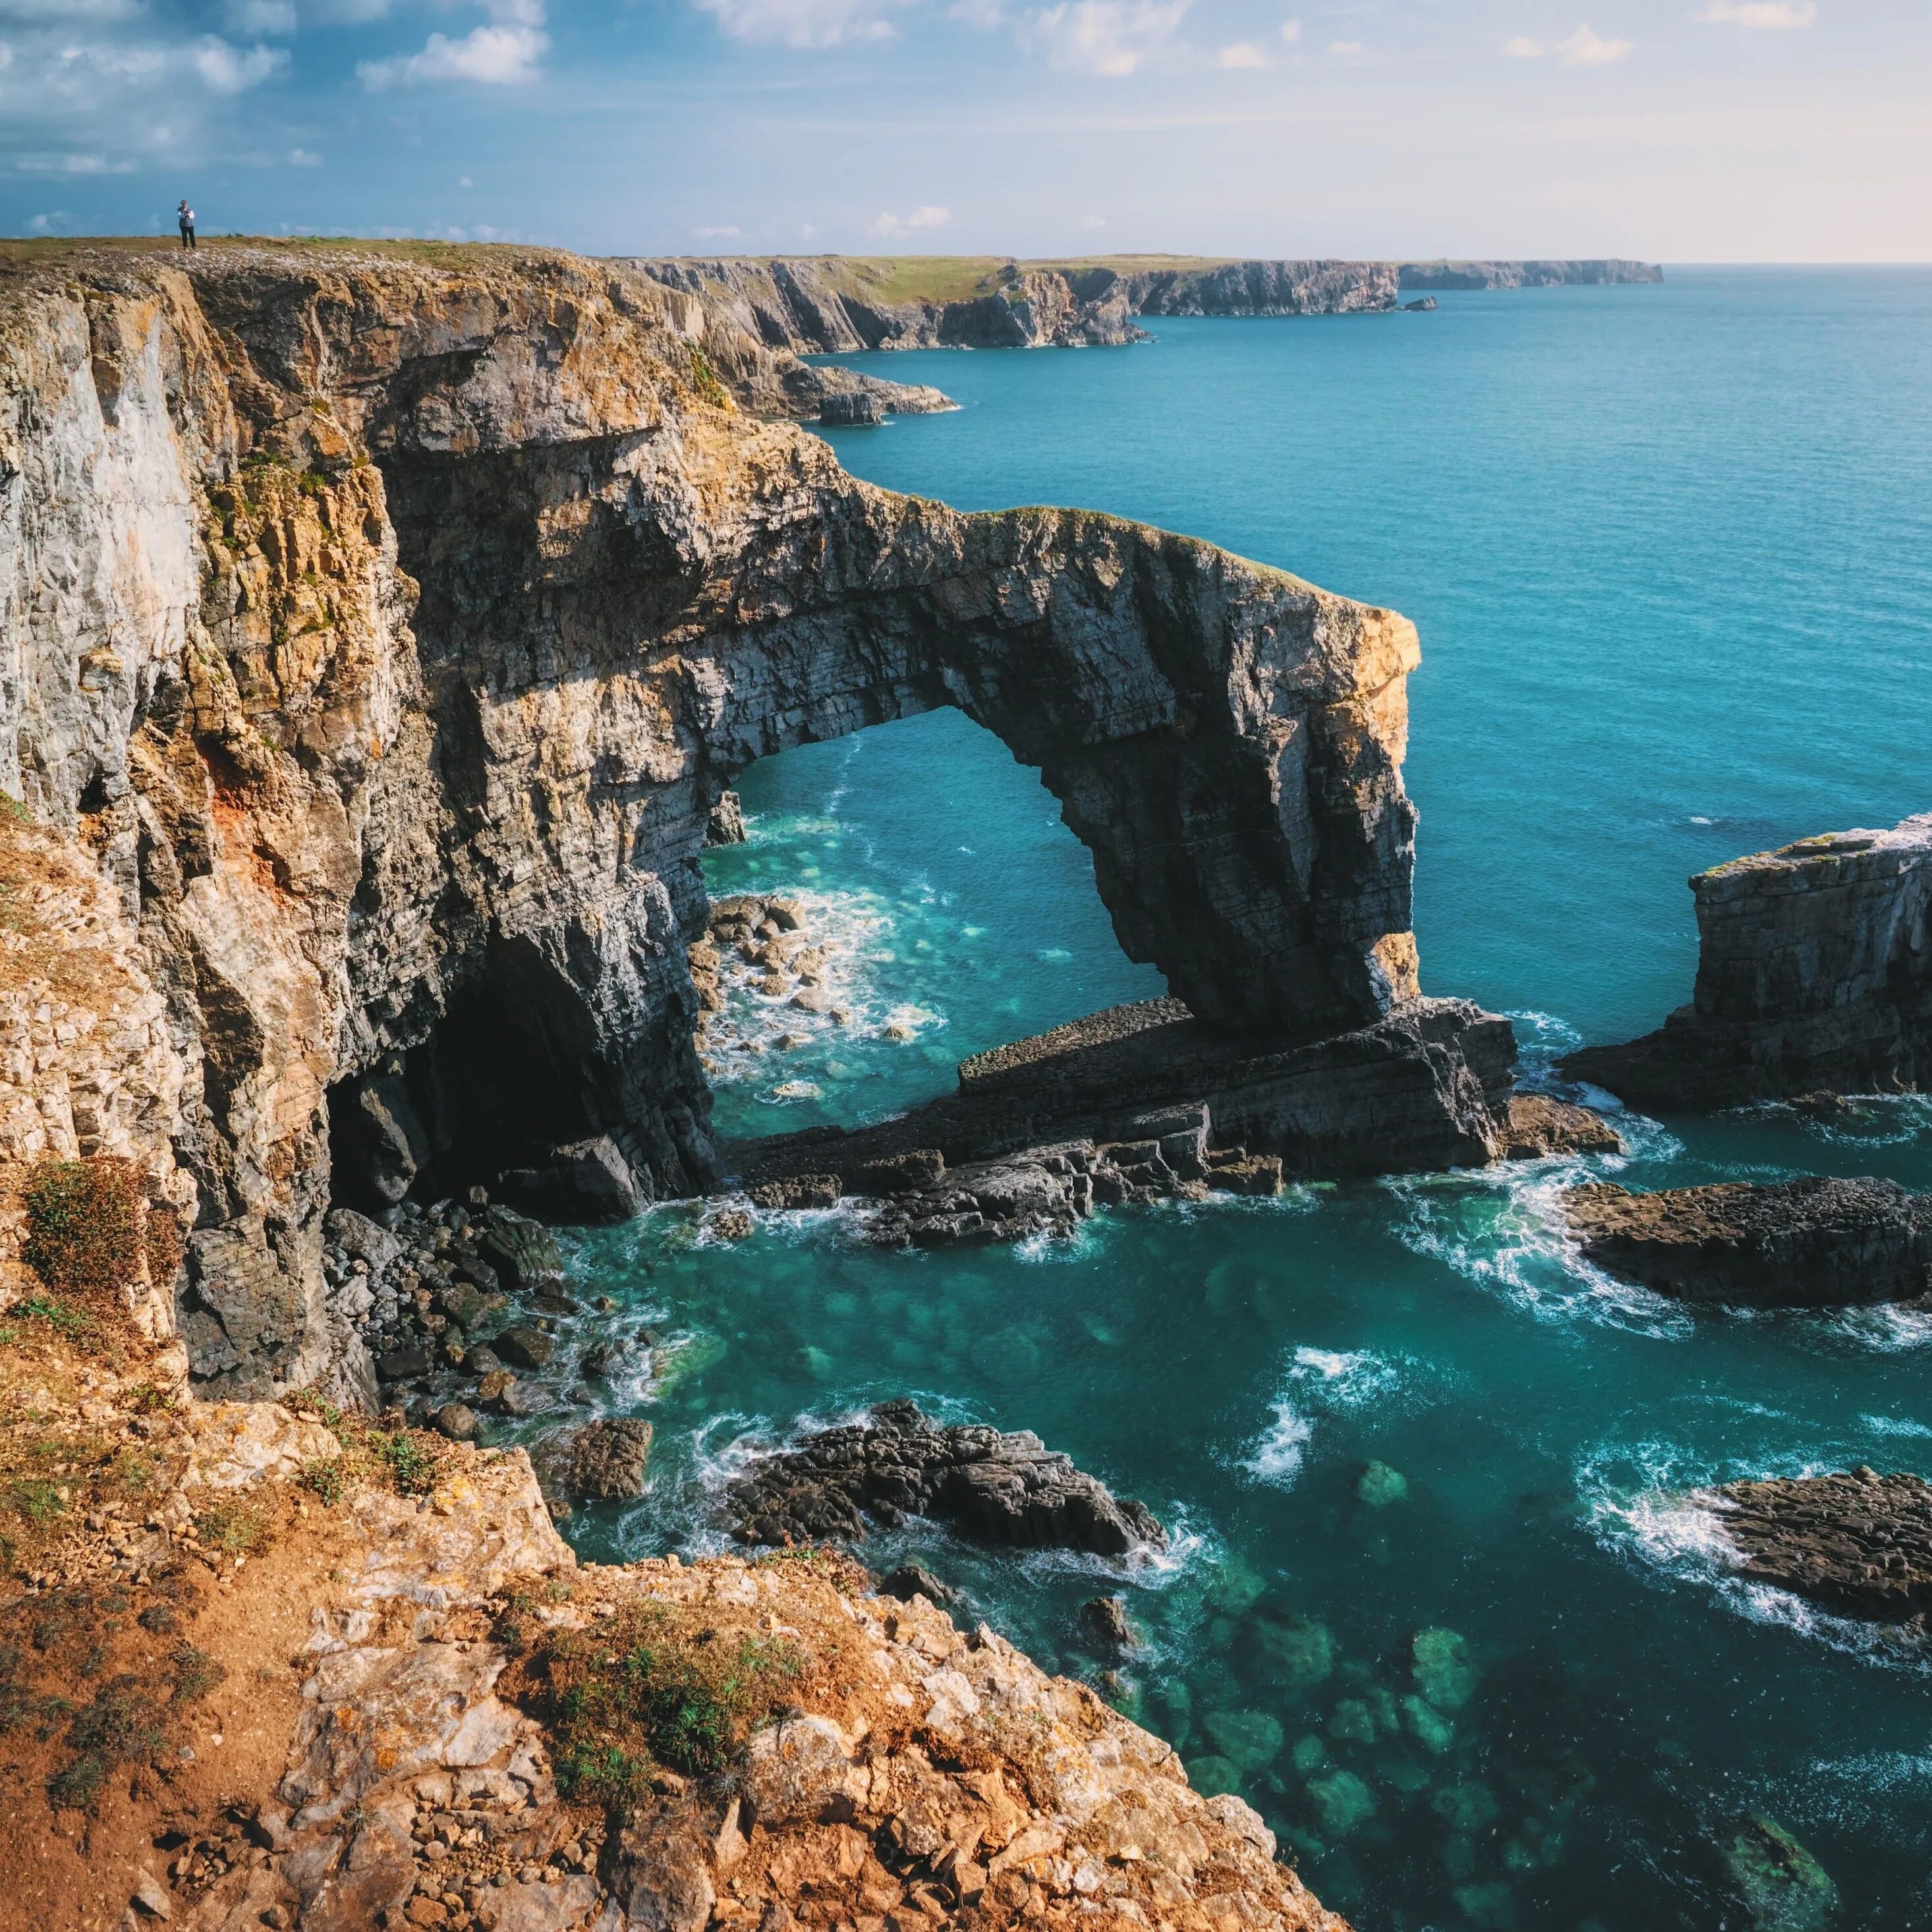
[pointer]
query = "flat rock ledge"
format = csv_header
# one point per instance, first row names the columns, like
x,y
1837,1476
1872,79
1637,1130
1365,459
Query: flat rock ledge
x,y
1860,1542
1002,1489
1814,1243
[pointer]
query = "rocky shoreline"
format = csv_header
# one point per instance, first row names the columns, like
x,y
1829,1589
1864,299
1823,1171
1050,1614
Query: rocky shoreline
x,y
827,304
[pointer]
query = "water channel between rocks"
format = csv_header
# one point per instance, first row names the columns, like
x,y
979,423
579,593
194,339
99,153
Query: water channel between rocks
x,y
1429,1601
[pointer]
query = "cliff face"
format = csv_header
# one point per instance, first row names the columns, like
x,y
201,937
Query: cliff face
x,y
1440,275
1814,971
384,634
829,305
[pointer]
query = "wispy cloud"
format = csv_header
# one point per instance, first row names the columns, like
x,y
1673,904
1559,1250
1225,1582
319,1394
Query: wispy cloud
x,y
807,23
1115,38
1241,54
726,234
1773,16
303,157
490,56
1291,31
1349,49
231,69
893,227
1584,48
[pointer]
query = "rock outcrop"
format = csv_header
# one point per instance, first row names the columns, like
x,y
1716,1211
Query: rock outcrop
x,y
1809,1244
1814,973
410,1706
1002,1488
385,633
1861,1543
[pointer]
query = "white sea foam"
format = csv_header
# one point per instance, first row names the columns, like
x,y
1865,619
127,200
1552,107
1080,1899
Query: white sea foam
x,y
1319,1381
1505,1232
1670,1520
1887,1330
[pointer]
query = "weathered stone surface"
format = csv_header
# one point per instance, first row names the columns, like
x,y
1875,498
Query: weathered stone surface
x,y
601,1462
1810,1243
1780,1885
1860,1542
726,823
1525,274
1814,972
1008,1489
461,595
860,408
1538,1124
798,1190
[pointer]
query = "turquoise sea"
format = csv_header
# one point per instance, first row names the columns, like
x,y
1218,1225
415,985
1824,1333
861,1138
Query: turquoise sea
x,y
1670,551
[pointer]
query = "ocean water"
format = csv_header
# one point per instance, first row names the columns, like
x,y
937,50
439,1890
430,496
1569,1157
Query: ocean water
x,y
1670,552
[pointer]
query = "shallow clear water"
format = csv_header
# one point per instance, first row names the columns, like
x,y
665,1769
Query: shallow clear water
x,y
1670,549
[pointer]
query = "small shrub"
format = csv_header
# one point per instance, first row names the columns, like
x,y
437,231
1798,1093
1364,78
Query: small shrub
x,y
86,1225
165,1244
121,1723
410,1460
704,379
235,1527
323,1478
649,1692
57,1315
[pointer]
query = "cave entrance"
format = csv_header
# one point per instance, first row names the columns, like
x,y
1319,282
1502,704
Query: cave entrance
x,y
942,908
505,1077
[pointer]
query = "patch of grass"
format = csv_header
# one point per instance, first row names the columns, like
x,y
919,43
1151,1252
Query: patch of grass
x,y
36,1501
121,1724
652,1688
235,1528
410,1459
55,1312
195,1674
86,1226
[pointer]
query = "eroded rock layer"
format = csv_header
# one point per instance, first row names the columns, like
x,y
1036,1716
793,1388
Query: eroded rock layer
x,y
1809,1244
1814,973
1860,1543
386,633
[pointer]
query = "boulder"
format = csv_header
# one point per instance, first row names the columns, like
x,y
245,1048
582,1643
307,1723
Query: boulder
x,y
726,826
798,1190
1001,1488
525,1250
913,1580
1538,1125
587,1183
525,1348
605,1461
1102,1621
1781,1886
851,408
1811,1243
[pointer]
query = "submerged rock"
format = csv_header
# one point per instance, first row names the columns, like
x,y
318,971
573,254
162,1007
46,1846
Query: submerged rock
x,y
1860,1542
1782,1886
1103,1622
1443,1672
1008,1488
1809,1244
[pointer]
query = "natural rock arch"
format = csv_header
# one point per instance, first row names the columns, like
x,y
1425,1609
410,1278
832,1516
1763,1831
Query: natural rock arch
x,y
400,625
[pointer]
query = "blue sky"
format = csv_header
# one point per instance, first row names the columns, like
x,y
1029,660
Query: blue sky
x,y
1675,130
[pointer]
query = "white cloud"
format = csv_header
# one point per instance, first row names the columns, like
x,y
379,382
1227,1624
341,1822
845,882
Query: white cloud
x,y
303,157
803,23
981,13
1584,48
42,224
1773,16
1241,54
1109,36
1291,31
718,234
262,17
230,69
463,181
1093,221
491,56
1348,49
893,226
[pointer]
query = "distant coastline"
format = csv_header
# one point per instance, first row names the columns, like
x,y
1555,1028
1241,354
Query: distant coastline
x,y
830,305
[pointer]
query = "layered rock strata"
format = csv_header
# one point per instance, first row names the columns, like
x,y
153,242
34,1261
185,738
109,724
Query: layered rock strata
x,y
386,634
1429,1086
1441,275
1814,972
1809,1244
1001,1488
1860,1543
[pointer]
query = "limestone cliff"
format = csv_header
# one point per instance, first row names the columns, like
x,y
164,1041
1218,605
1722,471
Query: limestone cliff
x,y
382,627
1814,971
832,304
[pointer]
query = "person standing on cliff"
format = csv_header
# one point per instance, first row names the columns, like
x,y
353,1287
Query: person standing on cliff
x,y
184,215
